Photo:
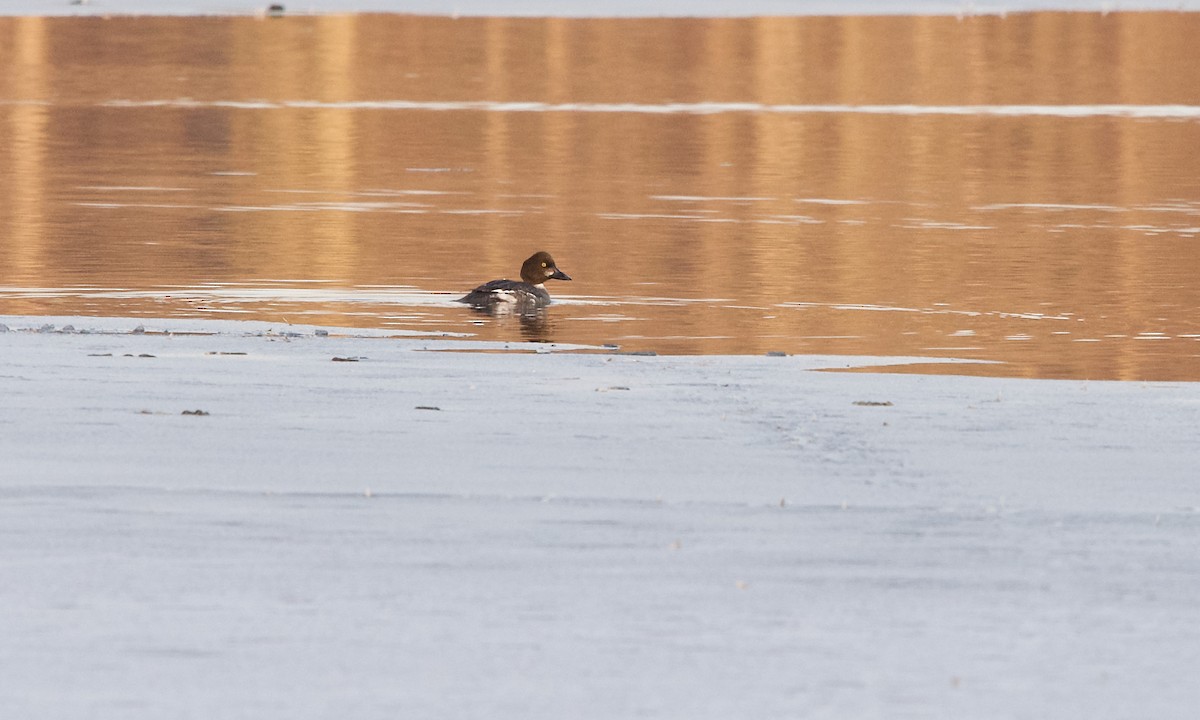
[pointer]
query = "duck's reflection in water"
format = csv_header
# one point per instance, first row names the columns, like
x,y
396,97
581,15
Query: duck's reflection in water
x,y
535,324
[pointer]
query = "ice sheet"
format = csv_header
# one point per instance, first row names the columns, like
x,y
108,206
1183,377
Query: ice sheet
x,y
578,535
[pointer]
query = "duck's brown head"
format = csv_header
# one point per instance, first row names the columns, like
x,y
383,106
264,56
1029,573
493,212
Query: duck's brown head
x,y
539,268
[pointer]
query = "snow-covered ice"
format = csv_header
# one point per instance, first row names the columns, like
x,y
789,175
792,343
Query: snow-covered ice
x,y
586,535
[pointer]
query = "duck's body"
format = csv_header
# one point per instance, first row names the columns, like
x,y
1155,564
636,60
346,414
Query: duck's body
x,y
524,295
508,292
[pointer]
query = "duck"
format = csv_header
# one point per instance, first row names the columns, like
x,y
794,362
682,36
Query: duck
x,y
526,295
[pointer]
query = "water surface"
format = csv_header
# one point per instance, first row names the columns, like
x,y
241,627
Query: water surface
x,y
1019,189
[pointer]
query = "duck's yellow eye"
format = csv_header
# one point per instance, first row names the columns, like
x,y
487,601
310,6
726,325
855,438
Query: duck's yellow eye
x,y
543,264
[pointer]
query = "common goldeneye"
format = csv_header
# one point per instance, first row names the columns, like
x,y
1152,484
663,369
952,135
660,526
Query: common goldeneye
x,y
527,295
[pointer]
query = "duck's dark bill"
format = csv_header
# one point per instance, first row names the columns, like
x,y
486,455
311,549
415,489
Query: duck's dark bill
x,y
559,275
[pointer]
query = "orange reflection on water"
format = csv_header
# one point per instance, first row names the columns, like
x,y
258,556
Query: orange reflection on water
x,y
691,175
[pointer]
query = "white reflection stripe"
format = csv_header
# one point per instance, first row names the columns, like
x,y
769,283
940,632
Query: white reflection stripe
x,y
1133,111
